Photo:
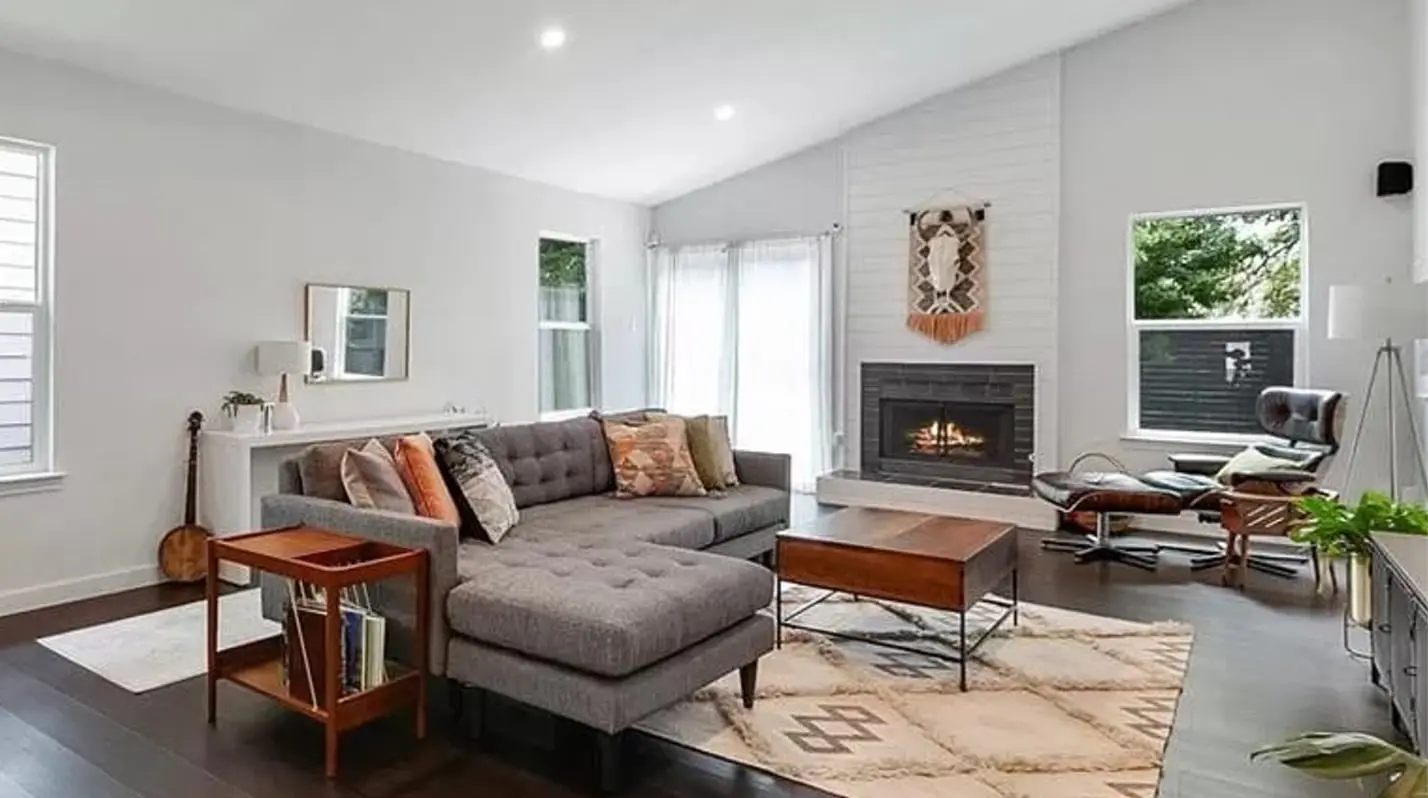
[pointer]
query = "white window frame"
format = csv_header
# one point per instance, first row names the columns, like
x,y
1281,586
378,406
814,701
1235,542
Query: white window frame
x,y
588,326
40,473
1134,327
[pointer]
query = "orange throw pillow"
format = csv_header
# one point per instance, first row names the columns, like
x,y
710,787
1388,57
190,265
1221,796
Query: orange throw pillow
x,y
416,462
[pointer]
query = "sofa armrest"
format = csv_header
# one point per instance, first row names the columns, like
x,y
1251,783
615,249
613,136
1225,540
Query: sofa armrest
x,y
764,468
392,598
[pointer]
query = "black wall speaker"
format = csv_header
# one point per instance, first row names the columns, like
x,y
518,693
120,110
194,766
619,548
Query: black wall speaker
x,y
1394,177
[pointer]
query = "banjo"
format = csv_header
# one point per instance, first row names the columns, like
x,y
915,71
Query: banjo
x,y
182,552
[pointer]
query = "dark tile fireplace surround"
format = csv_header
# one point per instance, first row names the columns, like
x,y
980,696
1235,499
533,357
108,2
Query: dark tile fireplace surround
x,y
961,426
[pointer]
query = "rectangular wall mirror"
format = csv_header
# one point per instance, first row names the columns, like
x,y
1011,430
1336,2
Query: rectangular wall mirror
x,y
358,333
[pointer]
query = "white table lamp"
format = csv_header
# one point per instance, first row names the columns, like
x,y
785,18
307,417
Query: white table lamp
x,y
279,359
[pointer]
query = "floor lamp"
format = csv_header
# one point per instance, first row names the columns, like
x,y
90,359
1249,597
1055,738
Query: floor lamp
x,y
1356,313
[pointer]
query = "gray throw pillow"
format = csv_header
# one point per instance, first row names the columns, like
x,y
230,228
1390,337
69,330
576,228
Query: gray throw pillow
x,y
320,469
478,482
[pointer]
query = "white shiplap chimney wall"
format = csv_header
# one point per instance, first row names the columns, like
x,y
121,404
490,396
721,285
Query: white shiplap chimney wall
x,y
997,141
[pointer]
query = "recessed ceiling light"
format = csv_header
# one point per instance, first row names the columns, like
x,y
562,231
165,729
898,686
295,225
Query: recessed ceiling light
x,y
552,38
724,113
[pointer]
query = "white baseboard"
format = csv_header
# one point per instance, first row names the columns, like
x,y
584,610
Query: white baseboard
x,y
1023,511
67,590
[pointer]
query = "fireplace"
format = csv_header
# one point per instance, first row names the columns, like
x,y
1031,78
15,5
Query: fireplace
x,y
962,426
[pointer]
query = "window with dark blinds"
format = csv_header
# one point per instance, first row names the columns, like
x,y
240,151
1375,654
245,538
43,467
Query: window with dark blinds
x,y
1217,317
25,188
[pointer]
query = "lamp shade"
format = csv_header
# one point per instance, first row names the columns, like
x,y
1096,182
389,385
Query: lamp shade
x,y
284,357
1391,309
1348,305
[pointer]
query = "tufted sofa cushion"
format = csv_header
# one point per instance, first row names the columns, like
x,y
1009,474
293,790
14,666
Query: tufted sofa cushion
x,y
624,521
551,461
603,608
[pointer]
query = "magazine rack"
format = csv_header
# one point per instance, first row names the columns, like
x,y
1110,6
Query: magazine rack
x,y
333,563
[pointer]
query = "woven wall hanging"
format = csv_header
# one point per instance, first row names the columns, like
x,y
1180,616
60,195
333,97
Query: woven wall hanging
x,y
947,282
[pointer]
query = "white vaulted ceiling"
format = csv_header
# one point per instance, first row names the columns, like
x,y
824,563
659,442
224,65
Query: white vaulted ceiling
x,y
624,110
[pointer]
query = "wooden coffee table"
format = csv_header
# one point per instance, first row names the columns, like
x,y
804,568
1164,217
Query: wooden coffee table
x,y
937,562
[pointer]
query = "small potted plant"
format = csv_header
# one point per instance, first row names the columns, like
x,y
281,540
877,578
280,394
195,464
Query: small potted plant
x,y
244,411
1346,756
1341,531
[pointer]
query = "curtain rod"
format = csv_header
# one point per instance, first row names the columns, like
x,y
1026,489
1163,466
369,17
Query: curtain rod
x,y
835,229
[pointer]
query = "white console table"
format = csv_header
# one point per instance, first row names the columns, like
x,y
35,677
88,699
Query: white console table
x,y
236,470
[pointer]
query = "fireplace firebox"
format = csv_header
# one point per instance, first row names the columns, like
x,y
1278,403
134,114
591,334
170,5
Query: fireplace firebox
x,y
964,426
957,431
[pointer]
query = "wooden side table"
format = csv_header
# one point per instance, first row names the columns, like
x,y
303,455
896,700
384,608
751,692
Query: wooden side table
x,y
330,561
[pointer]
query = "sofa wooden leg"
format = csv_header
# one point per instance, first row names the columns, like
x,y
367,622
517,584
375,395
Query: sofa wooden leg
x,y
749,683
610,754
456,699
476,712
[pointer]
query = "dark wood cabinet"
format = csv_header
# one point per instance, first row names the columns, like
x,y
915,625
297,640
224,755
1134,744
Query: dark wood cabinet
x,y
1382,631
1420,695
1400,629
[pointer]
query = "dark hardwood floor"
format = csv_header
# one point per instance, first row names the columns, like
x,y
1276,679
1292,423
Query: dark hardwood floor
x,y
1267,663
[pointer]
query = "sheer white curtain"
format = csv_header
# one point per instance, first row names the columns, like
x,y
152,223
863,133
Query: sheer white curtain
x,y
745,330
693,331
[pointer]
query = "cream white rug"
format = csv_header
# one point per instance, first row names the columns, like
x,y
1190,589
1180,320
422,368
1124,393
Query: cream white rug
x,y
145,652
1066,705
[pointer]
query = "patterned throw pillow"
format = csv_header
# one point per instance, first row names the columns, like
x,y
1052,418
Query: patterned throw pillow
x,y
372,481
479,482
416,462
652,459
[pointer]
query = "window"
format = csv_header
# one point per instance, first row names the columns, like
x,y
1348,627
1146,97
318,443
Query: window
x,y
567,351
25,207
364,350
1218,316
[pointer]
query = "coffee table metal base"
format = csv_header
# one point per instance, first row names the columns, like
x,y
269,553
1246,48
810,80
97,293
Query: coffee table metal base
x,y
1010,609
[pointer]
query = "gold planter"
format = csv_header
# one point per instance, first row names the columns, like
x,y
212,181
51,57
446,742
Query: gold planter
x,y
1360,590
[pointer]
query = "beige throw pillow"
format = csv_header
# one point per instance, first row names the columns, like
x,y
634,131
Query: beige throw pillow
x,y
652,459
372,482
723,447
1253,461
713,456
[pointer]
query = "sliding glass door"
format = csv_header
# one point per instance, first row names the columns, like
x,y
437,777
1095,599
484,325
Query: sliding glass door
x,y
745,330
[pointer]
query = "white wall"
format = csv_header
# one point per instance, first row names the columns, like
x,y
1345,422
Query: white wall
x,y
1229,103
186,233
799,195
996,141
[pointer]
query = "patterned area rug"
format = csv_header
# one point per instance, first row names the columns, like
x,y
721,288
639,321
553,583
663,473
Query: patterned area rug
x,y
1065,705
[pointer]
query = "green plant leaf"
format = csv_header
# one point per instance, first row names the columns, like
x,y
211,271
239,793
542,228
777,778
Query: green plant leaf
x,y
1339,756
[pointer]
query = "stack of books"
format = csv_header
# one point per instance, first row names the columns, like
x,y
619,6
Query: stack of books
x,y
362,662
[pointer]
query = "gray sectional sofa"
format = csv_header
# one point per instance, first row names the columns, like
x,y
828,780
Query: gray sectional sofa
x,y
594,608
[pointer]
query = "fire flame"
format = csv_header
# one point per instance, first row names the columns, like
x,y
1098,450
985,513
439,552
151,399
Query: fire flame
x,y
937,438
